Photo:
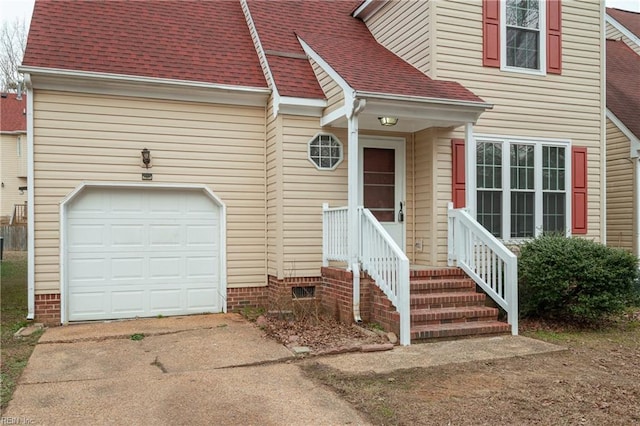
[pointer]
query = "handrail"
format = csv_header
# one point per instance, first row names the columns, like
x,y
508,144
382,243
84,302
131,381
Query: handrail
x,y
335,243
485,259
387,264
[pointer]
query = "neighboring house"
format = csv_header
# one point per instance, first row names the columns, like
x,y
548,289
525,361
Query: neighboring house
x,y
623,129
13,158
253,114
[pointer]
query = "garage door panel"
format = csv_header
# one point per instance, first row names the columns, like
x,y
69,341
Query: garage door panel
x,y
165,235
166,267
89,304
127,236
129,302
127,268
203,299
139,252
82,236
165,300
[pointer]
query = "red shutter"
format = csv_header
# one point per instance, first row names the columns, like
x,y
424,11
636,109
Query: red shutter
x,y
458,176
491,33
579,190
554,37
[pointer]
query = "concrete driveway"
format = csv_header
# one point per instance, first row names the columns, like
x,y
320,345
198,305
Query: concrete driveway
x,y
204,369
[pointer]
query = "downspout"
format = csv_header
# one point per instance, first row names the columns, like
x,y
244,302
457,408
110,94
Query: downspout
x,y
31,263
353,220
636,183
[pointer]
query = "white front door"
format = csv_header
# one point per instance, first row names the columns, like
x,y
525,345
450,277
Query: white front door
x,y
382,183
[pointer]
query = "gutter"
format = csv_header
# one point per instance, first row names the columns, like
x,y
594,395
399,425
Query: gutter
x,y
139,79
425,100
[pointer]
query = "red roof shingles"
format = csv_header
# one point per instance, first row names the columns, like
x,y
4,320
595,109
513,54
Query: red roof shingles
x,y
630,20
346,44
209,41
203,41
623,84
13,116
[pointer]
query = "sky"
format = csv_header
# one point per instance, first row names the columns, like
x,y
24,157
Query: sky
x,y
12,9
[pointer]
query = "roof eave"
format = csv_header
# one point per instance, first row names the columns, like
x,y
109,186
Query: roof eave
x,y
142,86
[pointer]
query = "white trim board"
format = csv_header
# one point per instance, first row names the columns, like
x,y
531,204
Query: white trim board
x,y
618,26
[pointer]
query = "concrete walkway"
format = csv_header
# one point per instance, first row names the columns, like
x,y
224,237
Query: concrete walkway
x,y
204,369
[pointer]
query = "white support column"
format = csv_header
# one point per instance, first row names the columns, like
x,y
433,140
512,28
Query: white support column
x,y
353,219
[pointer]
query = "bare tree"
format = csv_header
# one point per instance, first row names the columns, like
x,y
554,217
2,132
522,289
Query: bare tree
x,y
13,41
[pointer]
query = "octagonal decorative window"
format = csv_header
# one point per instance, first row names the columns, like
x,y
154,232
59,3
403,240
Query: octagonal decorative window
x,y
325,151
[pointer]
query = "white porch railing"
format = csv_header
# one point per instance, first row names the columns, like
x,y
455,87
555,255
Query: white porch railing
x,y
335,234
378,254
485,259
387,264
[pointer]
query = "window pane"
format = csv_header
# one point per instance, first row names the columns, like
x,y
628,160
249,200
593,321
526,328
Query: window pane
x,y
523,13
489,165
553,169
553,212
522,167
522,214
522,48
489,211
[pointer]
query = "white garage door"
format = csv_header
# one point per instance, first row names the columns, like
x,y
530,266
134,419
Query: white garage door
x,y
134,252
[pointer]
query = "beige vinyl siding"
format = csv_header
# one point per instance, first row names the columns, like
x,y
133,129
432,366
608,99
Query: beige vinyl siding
x,y
99,138
566,106
404,28
331,89
620,189
424,160
305,188
12,171
614,34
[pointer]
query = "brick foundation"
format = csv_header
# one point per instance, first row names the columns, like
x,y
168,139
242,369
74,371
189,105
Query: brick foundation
x,y
337,299
48,309
238,298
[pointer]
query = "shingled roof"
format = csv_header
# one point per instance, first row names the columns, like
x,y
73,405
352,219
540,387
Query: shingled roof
x,y
346,44
623,84
630,20
209,41
202,41
13,116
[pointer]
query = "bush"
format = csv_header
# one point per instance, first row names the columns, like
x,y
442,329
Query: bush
x,y
575,279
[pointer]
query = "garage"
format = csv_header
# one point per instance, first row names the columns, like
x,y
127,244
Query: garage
x,y
142,252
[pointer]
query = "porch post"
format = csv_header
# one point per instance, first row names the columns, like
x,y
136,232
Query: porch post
x,y
353,219
470,169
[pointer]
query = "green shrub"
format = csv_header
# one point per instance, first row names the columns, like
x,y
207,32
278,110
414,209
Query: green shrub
x,y
575,279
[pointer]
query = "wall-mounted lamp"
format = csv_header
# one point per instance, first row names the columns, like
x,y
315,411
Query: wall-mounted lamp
x,y
146,157
388,121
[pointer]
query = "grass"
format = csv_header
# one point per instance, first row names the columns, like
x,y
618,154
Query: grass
x,y
13,312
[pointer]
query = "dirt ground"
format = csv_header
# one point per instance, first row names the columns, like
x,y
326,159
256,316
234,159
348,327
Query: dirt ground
x,y
596,381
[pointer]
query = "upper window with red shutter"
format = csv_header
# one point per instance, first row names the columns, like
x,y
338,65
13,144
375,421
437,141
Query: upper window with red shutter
x,y
523,35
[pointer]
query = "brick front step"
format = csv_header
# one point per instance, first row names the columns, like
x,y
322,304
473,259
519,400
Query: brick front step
x,y
466,329
421,285
446,300
453,315
437,273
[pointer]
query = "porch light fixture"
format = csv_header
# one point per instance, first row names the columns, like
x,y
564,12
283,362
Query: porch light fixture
x,y
388,121
146,157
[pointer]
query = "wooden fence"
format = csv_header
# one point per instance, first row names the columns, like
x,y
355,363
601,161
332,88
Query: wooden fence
x,y
14,237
